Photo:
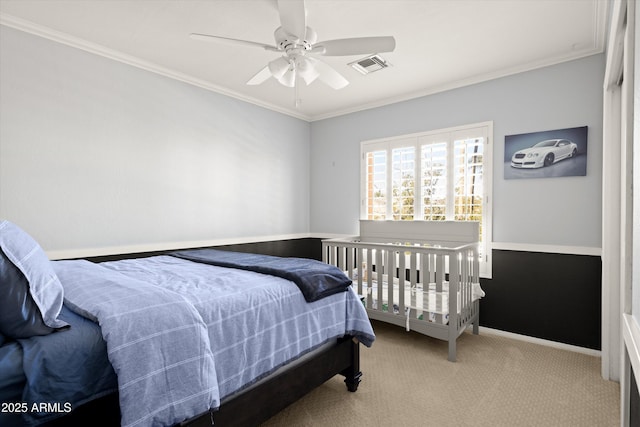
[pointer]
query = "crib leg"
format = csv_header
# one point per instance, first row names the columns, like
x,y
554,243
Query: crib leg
x,y
452,350
476,322
476,327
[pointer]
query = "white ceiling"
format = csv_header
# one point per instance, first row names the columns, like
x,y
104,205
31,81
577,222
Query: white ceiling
x,y
440,44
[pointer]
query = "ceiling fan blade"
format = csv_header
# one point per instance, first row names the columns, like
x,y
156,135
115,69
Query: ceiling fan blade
x,y
209,38
355,46
260,77
293,17
328,75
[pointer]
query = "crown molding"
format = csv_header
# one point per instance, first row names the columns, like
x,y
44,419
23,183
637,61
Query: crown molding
x,y
97,49
481,78
598,46
600,13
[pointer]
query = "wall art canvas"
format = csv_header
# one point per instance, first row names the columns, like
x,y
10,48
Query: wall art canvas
x,y
546,154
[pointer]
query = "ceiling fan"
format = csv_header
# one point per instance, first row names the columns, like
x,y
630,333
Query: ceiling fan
x,y
297,43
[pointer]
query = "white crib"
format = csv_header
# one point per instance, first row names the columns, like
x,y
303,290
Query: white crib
x,y
422,275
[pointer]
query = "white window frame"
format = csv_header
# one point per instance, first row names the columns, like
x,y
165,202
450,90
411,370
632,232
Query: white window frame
x,y
484,130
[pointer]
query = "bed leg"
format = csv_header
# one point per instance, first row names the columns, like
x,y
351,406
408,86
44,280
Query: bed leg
x,y
353,382
476,327
352,374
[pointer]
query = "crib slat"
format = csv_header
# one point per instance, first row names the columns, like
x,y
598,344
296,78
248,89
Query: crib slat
x,y
439,271
424,269
359,261
379,278
453,309
413,278
388,278
434,259
466,296
369,275
401,282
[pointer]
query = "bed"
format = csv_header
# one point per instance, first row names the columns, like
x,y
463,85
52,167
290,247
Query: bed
x,y
422,275
191,337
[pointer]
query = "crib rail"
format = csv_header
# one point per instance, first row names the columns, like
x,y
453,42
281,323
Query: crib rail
x,y
423,287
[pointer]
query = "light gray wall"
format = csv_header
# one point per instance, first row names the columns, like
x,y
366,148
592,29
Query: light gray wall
x,y
96,153
635,273
550,211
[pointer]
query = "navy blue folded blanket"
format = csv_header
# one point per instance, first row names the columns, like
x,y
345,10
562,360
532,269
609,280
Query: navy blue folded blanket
x,y
315,279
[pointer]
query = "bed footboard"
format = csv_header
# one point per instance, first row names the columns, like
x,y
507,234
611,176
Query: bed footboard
x,y
258,404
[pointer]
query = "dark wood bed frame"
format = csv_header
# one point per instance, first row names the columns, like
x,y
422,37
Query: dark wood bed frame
x,y
255,405
264,401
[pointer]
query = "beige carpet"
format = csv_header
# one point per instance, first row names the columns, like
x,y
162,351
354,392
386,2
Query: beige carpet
x,y
497,381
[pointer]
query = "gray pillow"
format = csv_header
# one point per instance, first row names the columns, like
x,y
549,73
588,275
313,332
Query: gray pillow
x,y
31,295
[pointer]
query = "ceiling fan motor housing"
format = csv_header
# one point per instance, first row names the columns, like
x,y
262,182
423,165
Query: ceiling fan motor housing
x,y
288,42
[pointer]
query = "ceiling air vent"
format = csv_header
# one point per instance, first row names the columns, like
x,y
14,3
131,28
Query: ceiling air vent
x,y
369,64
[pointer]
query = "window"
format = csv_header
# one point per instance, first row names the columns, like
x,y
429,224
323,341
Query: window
x,y
433,176
402,182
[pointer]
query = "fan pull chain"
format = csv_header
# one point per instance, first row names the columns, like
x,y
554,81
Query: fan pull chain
x,y
296,101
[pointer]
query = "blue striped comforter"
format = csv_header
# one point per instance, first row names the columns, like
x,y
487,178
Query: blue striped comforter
x,y
182,336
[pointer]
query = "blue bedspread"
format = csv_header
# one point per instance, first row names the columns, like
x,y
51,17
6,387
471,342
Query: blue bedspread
x,y
315,279
205,331
66,369
154,338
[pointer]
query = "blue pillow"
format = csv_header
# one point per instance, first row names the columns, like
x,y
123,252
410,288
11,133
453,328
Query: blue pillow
x,y
31,295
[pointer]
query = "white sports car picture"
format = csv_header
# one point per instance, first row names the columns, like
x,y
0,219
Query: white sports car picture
x,y
544,153
554,153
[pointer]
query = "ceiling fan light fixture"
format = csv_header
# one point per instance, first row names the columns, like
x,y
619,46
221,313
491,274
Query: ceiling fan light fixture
x,y
306,70
288,79
279,67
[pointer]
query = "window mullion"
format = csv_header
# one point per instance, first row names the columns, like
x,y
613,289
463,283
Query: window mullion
x,y
389,214
450,178
418,208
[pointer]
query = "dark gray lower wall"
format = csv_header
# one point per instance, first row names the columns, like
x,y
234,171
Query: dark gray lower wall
x,y
634,402
555,297
303,248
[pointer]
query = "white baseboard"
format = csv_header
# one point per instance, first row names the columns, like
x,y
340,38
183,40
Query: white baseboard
x,y
548,343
